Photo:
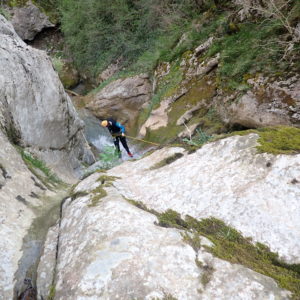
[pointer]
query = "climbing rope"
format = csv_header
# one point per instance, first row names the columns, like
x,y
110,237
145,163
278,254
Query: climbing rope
x,y
133,138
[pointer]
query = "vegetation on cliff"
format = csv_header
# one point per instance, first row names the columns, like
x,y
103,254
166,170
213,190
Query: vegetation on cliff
x,y
139,34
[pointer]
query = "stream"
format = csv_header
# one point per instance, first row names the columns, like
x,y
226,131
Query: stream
x,y
99,138
48,213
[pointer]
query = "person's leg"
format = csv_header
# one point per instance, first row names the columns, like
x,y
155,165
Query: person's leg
x,y
117,145
124,143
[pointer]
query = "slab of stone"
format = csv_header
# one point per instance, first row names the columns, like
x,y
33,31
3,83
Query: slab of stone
x,y
255,193
114,250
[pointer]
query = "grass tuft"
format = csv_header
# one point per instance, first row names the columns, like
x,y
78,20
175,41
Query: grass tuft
x,y
230,245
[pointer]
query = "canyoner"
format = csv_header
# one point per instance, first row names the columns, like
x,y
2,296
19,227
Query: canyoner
x,y
117,131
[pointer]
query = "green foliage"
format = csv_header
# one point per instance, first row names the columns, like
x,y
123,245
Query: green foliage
x,y
171,218
34,163
51,293
109,157
100,32
253,48
230,245
200,139
5,13
58,64
98,193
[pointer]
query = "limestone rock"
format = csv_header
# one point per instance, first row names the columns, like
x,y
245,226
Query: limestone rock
x,y
68,75
122,99
19,196
226,179
35,111
109,72
46,268
29,20
188,115
266,104
114,250
159,117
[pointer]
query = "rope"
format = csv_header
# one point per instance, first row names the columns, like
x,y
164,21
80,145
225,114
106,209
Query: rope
x,y
133,138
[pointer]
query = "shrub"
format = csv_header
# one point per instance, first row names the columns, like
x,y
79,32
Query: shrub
x,y
100,32
109,157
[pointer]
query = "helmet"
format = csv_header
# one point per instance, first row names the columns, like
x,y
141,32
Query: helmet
x,y
104,123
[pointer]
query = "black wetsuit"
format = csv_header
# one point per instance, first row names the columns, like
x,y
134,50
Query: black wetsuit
x,y
116,130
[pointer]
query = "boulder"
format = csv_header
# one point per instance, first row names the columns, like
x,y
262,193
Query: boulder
x,y
29,20
258,194
110,249
266,104
35,111
122,99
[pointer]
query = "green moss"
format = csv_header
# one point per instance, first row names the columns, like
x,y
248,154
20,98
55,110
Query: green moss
x,y
171,218
100,192
141,205
5,13
198,91
75,195
38,167
51,293
275,140
207,275
279,140
166,161
230,245
106,178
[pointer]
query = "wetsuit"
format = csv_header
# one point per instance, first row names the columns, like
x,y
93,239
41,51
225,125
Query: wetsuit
x,y
116,130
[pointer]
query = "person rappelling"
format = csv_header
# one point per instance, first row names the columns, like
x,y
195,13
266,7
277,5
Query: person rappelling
x,y
117,131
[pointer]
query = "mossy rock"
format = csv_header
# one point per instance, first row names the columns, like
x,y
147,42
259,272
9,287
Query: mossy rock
x,y
198,91
69,76
166,161
230,245
100,192
276,140
49,7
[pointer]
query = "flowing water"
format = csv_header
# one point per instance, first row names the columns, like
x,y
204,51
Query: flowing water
x,y
99,138
47,214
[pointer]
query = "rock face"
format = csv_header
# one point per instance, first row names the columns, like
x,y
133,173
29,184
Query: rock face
x,y
110,249
35,111
29,20
260,101
21,194
122,99
256,193
266,104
